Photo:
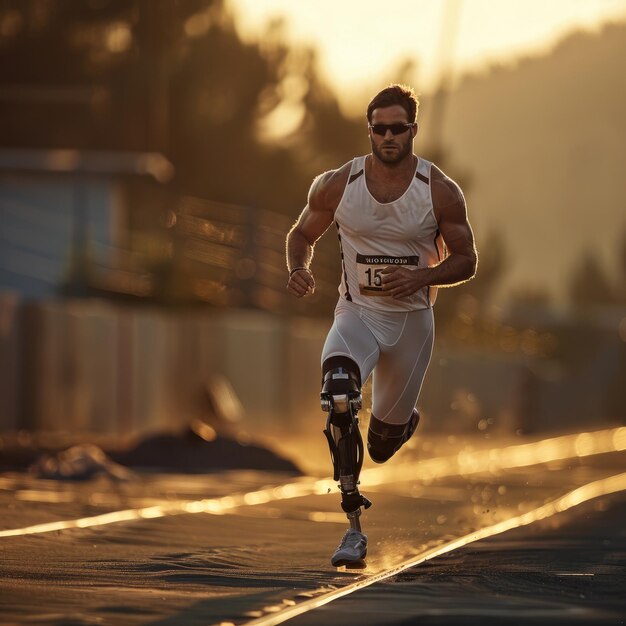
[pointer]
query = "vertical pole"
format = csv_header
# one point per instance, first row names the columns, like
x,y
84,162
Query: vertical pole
x,y
447,48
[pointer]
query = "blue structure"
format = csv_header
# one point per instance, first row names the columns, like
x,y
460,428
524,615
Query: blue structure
x,y
59,207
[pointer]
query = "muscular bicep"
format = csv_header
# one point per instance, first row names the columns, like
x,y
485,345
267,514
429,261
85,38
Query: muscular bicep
x,y
312,224
455,229
451,214
319,212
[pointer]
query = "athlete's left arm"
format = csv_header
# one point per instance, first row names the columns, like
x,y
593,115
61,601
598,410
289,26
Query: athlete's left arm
x,y
462,260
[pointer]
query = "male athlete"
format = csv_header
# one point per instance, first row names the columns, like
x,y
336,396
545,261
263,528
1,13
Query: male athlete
x,y
403,231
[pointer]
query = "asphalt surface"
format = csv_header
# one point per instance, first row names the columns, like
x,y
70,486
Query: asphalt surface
x,y
250,557
566,571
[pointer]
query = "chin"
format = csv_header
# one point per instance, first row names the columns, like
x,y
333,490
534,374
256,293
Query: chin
x,y
393,156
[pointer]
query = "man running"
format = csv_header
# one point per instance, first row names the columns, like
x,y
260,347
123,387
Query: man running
x,y
403,232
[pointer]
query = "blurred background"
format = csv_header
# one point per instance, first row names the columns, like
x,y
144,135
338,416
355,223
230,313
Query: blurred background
x,y
153,156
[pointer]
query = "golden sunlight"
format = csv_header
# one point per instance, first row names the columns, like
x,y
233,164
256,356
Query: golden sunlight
x,y
493,461
359,44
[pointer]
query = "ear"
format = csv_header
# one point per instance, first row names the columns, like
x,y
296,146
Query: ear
x,y
415,129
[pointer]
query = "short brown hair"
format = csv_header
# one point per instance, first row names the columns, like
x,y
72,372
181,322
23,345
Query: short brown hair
x,y
395,94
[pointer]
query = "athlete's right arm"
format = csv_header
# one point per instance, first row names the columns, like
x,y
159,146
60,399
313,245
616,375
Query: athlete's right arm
x,y
317,216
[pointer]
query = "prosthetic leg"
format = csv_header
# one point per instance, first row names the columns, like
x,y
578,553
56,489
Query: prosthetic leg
x,y
341,398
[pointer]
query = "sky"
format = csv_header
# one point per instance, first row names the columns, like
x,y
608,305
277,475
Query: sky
x,y
361,42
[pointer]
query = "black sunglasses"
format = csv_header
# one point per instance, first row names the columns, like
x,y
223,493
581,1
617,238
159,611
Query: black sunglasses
x,y
396,129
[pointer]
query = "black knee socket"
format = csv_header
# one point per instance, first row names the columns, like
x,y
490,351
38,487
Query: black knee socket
x,y
342,363
341,384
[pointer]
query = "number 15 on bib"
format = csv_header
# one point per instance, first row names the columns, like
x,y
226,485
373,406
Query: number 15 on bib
x,y
370,271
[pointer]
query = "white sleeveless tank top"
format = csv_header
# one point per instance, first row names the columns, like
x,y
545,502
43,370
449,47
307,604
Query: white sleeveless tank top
x,y
374,235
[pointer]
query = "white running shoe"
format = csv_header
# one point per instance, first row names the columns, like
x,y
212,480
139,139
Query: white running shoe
x,y
352,549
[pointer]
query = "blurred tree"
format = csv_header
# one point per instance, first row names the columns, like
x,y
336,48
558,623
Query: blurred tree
x,y
530,298
589,284
171,77
59,66
327,138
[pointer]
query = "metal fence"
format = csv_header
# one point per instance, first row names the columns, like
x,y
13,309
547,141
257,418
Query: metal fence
x,y
209,253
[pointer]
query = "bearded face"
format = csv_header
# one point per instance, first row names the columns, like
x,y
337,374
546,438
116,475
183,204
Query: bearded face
x,y
390,148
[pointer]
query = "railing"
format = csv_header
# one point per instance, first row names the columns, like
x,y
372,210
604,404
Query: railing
x,y
220,255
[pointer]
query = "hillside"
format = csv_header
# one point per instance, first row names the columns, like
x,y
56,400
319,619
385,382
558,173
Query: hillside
x,y
544,145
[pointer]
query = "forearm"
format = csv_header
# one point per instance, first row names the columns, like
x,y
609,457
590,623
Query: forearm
x,y
299,251
454,270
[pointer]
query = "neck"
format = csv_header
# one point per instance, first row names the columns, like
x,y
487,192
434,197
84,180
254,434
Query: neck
x,y
399,169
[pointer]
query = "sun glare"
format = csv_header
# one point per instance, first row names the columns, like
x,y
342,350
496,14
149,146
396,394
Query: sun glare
x,y
493,461
361,44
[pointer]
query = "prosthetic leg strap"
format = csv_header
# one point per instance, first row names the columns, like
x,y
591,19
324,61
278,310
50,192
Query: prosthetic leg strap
x,y
352,501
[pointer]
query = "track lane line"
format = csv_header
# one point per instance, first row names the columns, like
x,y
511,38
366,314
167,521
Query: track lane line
x,y
576,497
462,464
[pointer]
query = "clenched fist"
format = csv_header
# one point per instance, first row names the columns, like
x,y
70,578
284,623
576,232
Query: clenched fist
x,y
301,282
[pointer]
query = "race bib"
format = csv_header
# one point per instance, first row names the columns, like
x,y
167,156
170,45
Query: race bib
x,y
370,271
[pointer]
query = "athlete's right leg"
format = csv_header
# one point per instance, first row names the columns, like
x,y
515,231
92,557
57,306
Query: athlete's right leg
x,y
350,337
349,355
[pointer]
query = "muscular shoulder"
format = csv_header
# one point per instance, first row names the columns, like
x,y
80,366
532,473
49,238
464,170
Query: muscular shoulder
x,y
445,191
327,189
